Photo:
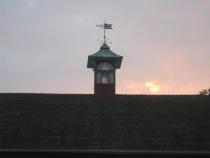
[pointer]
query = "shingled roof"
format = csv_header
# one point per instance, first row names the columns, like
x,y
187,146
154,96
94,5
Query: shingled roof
x,y
141,122
104,54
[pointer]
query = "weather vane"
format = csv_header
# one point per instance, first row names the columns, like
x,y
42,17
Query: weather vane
x,y
105,26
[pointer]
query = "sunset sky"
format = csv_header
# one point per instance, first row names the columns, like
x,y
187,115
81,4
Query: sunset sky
x,y
165,44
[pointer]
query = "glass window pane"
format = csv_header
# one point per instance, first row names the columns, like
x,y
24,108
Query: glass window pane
x,y
105,77
105,66
98,77
111,77
104,80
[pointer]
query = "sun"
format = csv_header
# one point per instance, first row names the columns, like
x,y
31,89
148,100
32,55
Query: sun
x,y
153,88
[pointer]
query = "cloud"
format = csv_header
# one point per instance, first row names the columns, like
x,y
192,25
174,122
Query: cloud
x,y
133,87
44,44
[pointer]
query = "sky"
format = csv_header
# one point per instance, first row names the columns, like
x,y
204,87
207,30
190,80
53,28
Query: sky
x,y
44,45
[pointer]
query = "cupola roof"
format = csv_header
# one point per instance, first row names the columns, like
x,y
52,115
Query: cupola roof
x,y
104,54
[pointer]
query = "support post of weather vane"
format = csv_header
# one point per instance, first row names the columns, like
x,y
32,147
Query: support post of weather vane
x,y
105,26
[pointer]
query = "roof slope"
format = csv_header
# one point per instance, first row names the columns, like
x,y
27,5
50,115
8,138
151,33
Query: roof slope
x,y
104,54
49,121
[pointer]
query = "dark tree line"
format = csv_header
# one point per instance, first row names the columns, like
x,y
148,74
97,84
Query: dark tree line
x,y
205,92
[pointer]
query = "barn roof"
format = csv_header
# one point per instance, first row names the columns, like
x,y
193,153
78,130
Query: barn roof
x,y
123,123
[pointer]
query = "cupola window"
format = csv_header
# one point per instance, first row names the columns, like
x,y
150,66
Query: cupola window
x,y
105,74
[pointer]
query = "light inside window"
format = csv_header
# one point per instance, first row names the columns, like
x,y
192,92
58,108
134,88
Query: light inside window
x,y
104,79
105,73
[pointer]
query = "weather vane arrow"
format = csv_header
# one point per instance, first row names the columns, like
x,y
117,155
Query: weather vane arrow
x,y
105,26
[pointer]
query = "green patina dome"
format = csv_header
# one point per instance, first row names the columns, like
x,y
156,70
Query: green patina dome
x,y
104,54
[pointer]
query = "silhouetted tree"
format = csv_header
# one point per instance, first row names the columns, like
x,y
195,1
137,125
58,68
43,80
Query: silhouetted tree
x,y
204,92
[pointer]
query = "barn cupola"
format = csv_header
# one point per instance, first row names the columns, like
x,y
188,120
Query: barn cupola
x,y
104,64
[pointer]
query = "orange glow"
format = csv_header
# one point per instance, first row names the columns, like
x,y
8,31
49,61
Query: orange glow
x,y
153,88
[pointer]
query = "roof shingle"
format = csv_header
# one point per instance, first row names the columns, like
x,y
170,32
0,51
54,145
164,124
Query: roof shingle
x,y
35,121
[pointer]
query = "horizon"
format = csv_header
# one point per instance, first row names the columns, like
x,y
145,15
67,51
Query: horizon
x,y
44,45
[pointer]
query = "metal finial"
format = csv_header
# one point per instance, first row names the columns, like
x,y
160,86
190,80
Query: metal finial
x,y
105,26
